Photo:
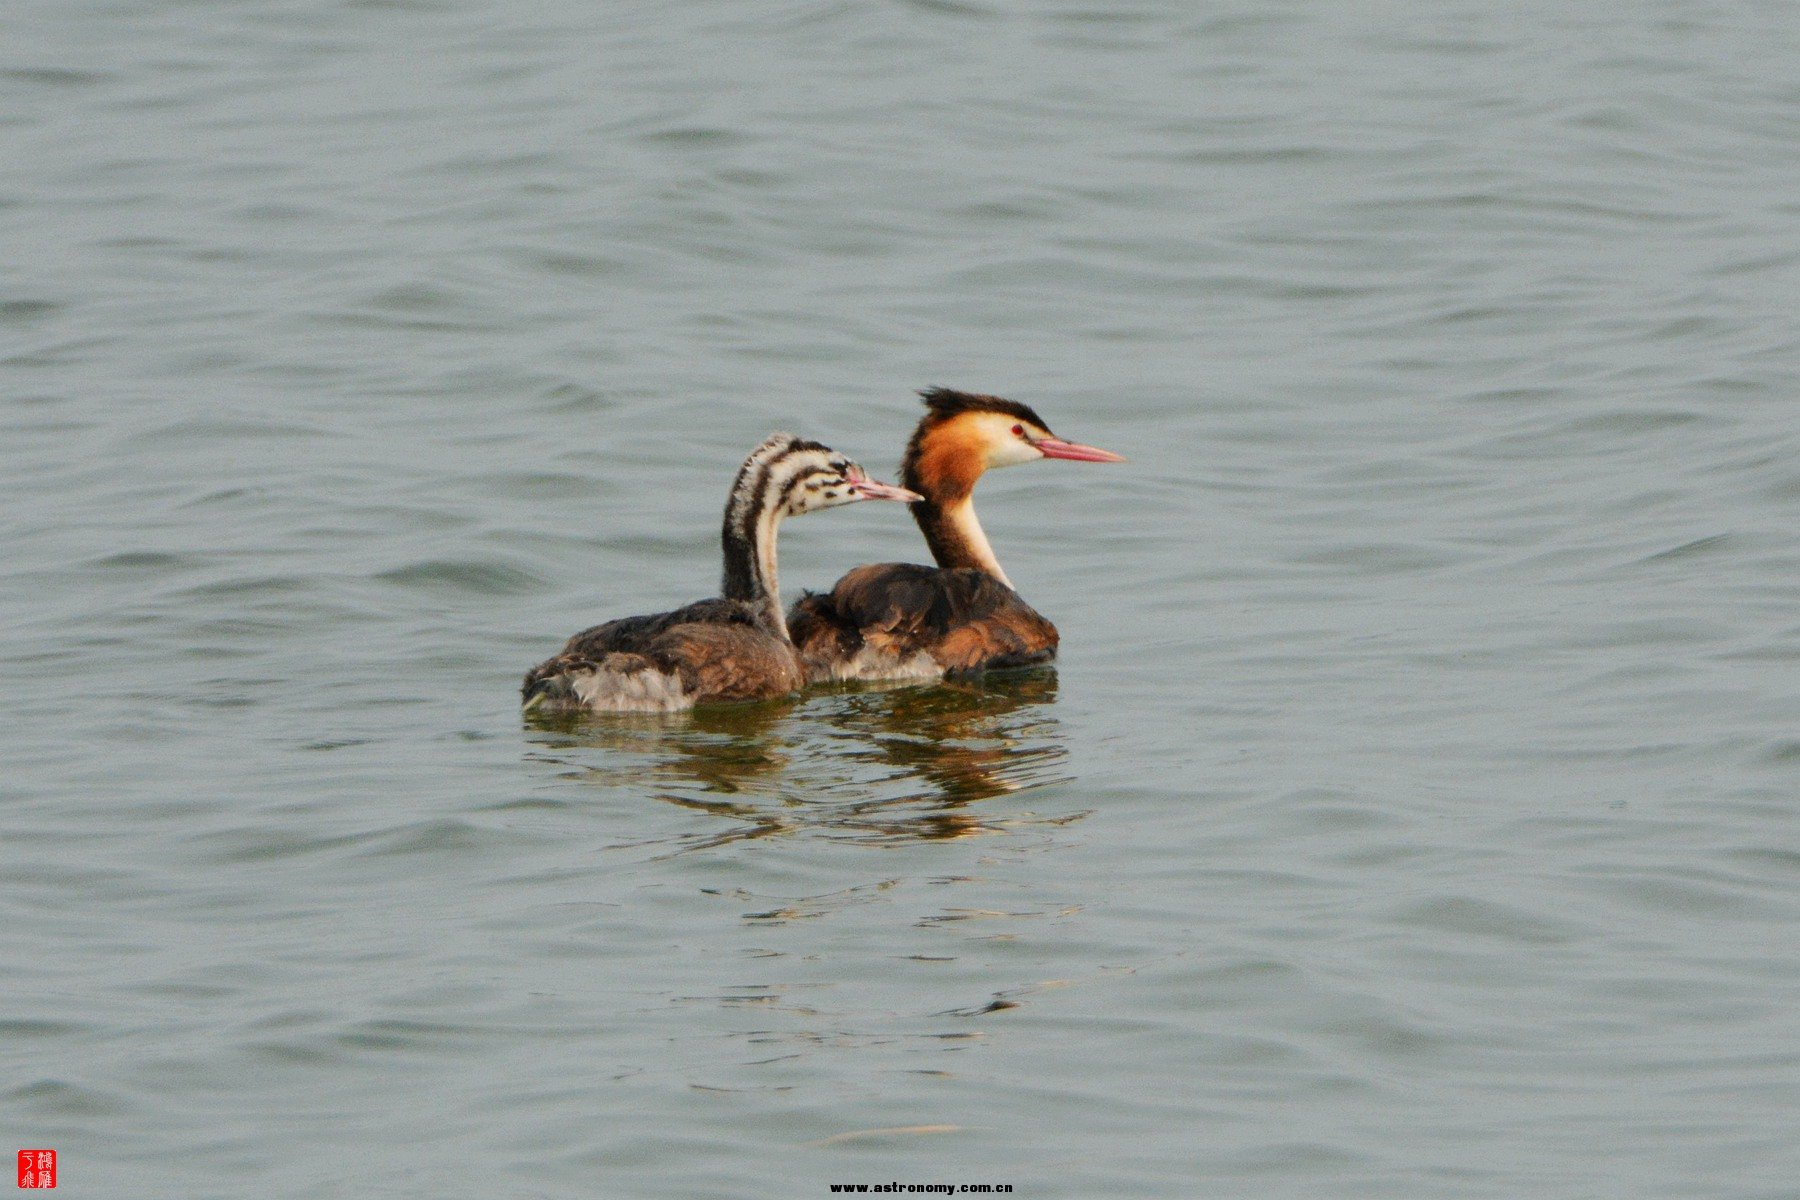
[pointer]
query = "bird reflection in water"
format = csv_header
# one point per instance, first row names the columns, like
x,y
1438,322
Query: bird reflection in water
x,y
882,765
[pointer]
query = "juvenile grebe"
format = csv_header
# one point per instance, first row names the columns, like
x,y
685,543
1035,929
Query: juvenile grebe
x,y
735,647
902,621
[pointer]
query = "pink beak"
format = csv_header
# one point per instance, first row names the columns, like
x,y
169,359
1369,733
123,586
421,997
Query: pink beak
x,y
874,489
1075,451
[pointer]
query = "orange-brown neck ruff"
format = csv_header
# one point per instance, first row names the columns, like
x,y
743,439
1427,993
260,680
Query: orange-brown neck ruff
x,y
944,459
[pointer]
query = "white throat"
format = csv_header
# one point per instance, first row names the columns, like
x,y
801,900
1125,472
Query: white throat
x,y
768,526
962,519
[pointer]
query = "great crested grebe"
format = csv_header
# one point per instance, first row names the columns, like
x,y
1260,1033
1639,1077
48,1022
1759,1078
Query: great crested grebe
x,y
902,621
735,647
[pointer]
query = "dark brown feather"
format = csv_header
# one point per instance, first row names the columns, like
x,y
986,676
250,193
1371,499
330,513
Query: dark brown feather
x,y
728,662
714,648
633,634
890,613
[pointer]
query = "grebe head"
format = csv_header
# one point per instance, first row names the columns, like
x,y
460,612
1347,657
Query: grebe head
x,y
964,434
825,479
786,476
796,476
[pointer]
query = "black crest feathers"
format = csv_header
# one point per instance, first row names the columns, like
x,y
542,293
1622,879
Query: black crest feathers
x,y
945,403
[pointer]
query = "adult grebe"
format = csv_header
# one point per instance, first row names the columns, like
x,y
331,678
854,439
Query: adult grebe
x,y
902,621
735,647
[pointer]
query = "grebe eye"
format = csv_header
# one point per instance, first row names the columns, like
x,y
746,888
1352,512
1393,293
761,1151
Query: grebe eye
x,y
1018,431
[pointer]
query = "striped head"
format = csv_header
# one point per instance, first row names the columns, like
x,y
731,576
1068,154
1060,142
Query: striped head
x,y
790,477
786,476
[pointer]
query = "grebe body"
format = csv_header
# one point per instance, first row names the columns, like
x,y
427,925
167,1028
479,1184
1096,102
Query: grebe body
x,y
733,647
905,621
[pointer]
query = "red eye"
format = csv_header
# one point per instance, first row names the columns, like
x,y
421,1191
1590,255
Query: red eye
x,y
1018,431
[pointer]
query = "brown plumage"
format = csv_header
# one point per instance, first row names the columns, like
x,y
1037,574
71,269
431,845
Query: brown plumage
x,y
712,650
903,621
735,647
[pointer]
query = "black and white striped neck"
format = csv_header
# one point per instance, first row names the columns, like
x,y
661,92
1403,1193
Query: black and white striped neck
x,y
760,497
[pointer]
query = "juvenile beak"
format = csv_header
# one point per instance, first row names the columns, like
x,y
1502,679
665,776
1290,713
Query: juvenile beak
x,y
874,489
1075,451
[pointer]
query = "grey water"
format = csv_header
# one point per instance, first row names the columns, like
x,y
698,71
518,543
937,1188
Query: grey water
x,y
1411,814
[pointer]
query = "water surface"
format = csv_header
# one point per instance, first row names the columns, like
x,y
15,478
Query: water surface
x,y
1411,814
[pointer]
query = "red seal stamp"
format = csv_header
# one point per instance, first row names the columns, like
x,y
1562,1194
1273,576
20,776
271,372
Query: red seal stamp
x,y
37,1168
